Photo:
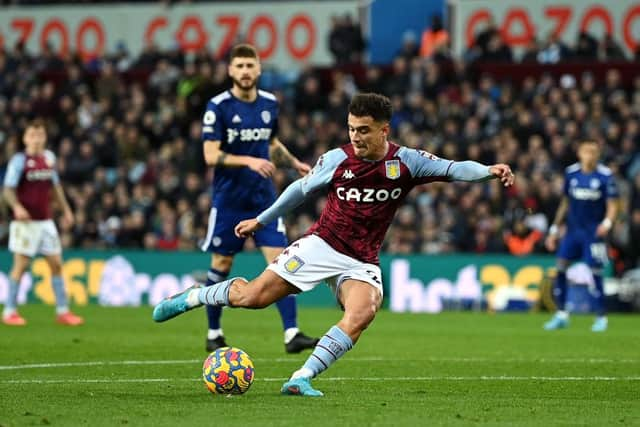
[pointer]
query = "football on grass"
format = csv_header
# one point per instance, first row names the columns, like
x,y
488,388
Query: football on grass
x,y
228,370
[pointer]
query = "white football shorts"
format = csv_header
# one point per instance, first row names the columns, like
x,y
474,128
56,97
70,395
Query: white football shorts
x,y
34,237
310,261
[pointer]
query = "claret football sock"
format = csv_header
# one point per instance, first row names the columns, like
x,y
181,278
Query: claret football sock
x,y
332,346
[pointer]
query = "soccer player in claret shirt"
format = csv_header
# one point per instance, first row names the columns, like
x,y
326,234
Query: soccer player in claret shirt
x,y
31,177
590,205
367,180
239,131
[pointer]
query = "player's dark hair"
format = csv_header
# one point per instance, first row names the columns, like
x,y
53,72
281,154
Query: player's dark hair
x,y
243,50
35,123
371,104
588,141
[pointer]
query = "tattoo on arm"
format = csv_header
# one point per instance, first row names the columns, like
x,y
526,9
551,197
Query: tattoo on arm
x,y
281,157
221,157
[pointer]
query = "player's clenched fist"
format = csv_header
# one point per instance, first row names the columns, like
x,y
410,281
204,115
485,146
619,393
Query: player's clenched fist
x,y
247,227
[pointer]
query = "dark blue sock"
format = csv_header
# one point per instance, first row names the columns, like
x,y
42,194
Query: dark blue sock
x,y
214,313
599,296
288,311
560,290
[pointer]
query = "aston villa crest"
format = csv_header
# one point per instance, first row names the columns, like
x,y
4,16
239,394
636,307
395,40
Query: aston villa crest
x,y
392,169
266,116
293,264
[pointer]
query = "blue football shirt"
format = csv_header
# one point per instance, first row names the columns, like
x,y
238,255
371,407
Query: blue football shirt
x,y
588,194
243,128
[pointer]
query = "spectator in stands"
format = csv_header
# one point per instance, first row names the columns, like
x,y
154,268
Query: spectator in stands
x,y
586,47
145,147
410,48
309,97
346,42
553,51
531,51
522,240
435,38
610,50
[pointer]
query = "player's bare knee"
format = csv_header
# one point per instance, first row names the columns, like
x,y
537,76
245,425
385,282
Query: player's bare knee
x,y
56,269
359,320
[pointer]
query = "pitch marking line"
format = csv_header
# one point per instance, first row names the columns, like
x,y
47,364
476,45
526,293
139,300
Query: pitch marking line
x,y
464,378
292,360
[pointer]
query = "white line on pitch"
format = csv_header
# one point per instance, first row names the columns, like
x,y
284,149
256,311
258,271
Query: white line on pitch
x,y
435,378
296,360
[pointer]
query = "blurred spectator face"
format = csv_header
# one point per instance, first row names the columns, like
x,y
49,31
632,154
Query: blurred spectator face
x,y
311,86
86,150
203,202
587,82
137,219
495,43
244,72
35,139
107,69
373,74
150,241
48,90
399,66
205,70
613,79
66,103
190,69
192,182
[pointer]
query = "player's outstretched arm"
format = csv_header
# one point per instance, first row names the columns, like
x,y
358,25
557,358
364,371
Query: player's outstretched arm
x,y
291,197
477,172
214,156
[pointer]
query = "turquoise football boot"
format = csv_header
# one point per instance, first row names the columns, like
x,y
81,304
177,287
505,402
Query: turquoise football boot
x,y
300,387
600,325
175,305
556,322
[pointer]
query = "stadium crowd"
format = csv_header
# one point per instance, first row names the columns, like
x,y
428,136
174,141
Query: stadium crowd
x,y
126,132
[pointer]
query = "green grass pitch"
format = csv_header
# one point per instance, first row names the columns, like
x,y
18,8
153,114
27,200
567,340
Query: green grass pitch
x,y
449,369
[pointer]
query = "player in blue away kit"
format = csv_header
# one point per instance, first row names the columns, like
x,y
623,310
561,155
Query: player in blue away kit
x,y
590,205
239,131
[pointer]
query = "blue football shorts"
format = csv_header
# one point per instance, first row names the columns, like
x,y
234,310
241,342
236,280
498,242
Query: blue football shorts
x,y
590,250
222,240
